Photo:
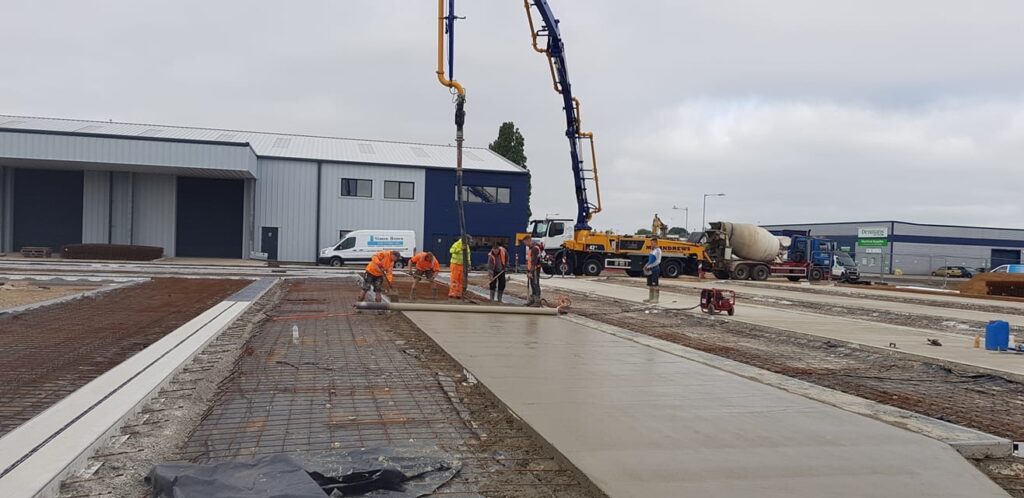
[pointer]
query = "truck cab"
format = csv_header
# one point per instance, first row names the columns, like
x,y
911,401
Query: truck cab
x,y
551,232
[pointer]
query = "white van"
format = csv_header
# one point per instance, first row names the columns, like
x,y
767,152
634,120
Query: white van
x,y
360,245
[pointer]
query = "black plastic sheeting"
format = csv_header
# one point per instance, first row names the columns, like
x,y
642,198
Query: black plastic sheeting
x,y
377,472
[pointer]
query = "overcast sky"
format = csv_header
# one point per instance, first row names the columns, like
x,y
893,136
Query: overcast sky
x,y
799,111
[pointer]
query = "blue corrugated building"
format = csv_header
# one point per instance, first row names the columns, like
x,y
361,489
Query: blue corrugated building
x,y
491,213
204,192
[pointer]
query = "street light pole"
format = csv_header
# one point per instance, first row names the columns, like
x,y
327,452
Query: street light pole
x,y
686,211
704,210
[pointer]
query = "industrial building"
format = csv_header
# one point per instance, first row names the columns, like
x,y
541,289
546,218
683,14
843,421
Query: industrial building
x,y
917,248
234,194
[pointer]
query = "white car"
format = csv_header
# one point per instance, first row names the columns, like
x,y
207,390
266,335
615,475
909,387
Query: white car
x,y
360,245
1009,269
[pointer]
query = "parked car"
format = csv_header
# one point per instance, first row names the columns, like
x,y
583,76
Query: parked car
x,y
1009,269
360,245
955,272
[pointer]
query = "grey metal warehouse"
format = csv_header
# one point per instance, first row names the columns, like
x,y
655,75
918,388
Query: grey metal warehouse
x,y
199,192
918,248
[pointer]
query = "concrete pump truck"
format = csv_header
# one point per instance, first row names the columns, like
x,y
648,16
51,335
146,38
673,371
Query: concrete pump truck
x,y
584,251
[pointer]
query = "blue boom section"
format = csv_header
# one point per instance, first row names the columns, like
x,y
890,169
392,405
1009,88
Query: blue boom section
x,y
556,51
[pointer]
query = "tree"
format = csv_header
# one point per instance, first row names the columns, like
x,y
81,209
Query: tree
x,y
680,231
511,145
643,231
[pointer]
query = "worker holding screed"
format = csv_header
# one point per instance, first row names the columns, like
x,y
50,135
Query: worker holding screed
x,y
533,264
456,285
424,265
378,272
497,263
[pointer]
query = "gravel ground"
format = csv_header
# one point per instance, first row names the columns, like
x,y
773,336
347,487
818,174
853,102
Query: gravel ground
x,y
226,404
51,351
969,303
967,328
164,423
19,293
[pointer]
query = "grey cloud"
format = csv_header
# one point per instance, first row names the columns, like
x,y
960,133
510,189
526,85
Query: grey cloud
x,y
916,103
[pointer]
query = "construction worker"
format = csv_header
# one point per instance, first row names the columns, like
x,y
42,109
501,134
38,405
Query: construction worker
x,y
497,263
457,286
378,271
533,267
653,271
658,227
424,265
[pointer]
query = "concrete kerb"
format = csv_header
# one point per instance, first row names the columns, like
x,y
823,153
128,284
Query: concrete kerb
x,y
124,282
42,452
968,442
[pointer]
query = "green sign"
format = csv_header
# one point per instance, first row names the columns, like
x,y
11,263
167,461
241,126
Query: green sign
x,y
872,242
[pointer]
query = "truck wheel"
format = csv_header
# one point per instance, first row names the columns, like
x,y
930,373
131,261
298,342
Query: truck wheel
x,y
794,279
815,274
671,269
722,274
592,267
336,262
742,272
760,272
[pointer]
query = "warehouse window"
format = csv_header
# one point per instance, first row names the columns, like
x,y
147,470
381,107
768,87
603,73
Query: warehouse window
x,y
484,242
354,187
487,195
399,190
343,233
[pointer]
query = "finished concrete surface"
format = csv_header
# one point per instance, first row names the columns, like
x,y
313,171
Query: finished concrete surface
x,y
956,349
642,422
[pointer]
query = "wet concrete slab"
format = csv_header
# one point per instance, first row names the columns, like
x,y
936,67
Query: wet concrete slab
x,y
642,422
956,350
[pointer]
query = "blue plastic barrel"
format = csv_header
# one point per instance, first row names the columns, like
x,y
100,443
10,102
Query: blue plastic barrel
x,y
997,335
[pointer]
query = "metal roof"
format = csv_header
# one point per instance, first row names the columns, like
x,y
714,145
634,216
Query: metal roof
x,y
277,145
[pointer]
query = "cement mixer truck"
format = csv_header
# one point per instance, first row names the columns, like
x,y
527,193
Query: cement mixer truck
x,y
742,251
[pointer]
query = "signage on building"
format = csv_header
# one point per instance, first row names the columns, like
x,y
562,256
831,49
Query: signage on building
x,y
872,242
872,232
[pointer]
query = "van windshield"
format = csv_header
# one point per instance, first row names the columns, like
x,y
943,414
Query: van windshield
x,y
845,260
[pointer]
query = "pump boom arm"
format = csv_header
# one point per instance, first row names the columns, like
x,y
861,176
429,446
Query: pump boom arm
x,y
583,177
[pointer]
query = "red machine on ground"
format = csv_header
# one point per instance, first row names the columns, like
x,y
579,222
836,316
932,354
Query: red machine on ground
x,y
713,301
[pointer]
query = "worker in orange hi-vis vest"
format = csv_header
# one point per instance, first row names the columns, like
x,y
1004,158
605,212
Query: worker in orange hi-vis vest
x,y
497,264
424,265
378,271
457,286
